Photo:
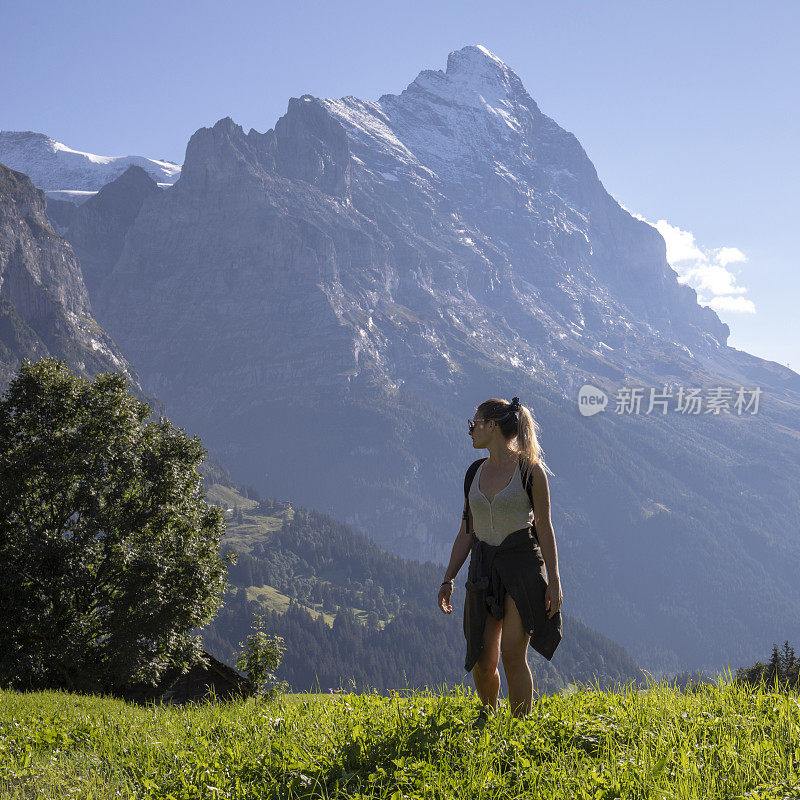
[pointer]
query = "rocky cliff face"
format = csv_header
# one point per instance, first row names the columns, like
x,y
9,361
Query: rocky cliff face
x,y
325,303
98,229
44,305
518,198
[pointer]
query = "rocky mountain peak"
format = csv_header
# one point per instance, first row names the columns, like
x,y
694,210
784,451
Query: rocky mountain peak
x,y
134,181
99,225
475,59
475,78
476,112
311,145
479,72
222,131
215,154
307,144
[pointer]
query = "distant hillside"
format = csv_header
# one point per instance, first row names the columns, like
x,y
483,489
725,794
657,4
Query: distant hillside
x,y
350,610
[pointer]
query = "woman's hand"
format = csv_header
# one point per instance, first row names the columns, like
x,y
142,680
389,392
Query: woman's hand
x,y
445,593
553,597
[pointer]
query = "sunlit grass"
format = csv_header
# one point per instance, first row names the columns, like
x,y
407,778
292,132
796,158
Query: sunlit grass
x,y
718,741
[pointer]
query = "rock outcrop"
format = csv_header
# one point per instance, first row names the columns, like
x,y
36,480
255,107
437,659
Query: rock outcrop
x,y
44,305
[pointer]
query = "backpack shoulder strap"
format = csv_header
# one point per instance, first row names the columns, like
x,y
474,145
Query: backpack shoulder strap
x,y
529,485
470,476
529,490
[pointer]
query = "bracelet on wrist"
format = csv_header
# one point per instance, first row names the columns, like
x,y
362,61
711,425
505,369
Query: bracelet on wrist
x,y
451,581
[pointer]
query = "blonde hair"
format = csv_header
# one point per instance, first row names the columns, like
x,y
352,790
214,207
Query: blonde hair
x,y
521,425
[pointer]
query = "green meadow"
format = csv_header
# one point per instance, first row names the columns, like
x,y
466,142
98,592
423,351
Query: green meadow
x,y
723,740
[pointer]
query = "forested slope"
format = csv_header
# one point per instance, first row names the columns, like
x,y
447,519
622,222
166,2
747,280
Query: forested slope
x,y
349,610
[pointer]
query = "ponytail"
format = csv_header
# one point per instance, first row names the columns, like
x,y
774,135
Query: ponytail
x,y
516,420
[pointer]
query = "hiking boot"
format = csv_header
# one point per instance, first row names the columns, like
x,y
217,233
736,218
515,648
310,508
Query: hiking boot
x,y
483,717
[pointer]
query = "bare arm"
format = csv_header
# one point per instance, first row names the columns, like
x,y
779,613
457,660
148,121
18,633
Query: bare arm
x,y
461,546
544,526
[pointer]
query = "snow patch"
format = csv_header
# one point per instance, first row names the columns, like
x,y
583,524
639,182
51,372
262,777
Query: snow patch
x,y
53,166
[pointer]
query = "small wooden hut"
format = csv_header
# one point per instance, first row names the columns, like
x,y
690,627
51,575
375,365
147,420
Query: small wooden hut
x,y
203,681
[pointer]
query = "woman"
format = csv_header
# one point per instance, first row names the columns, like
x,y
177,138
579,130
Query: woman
x,y
506,526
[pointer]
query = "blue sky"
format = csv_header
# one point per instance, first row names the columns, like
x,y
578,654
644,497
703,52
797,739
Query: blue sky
x,y
689,110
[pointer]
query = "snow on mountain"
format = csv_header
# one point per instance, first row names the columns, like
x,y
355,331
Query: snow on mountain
x,y
476,111
69,174
517,196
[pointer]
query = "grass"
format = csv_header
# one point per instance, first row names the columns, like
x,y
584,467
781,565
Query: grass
x,y
721,740
228,498
270,598
254,527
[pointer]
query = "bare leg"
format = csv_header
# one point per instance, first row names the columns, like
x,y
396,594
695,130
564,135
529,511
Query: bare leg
x,y
514,647
485,672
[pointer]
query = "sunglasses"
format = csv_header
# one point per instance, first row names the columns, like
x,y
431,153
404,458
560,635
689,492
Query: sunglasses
x,y
471,423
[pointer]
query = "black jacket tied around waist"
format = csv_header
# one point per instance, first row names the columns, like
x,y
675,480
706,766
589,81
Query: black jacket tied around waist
x,y
515,566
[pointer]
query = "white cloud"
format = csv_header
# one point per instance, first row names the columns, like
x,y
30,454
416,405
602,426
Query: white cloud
x,y
729,255
712,278
737,304
704,269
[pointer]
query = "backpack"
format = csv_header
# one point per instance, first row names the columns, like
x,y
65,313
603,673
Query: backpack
x,y
470,476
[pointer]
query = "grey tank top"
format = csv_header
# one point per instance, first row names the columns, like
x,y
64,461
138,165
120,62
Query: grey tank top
x,y
509,510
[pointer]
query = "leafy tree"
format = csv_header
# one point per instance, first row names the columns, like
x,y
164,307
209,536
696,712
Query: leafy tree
x,y
259,657
109,553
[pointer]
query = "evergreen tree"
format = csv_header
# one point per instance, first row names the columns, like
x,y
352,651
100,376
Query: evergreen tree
x,y
775,665
788,660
